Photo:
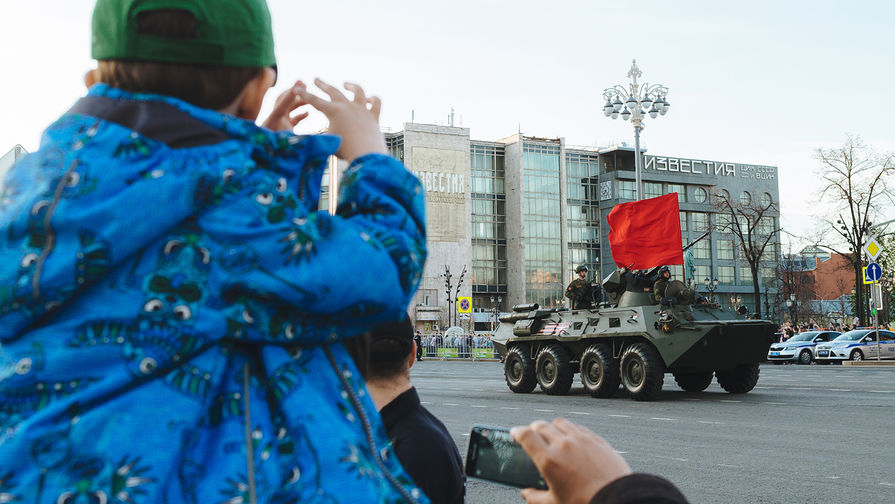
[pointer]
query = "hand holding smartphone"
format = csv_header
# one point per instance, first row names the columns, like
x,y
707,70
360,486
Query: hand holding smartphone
x,y
494,455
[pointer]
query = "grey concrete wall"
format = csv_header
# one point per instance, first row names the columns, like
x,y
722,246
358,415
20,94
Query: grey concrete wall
x,y
515,223
436,154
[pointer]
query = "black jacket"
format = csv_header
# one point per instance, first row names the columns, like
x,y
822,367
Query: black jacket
x,y
639,488
425,449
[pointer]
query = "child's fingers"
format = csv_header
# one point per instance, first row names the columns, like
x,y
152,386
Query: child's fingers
x,y
294,120
313,100
359,95
375,106
333,92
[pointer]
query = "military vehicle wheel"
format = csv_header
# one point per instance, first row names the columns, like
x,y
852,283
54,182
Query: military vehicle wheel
x,y
519,370
599,371
740,379
642,372
805,357
554,371
693,382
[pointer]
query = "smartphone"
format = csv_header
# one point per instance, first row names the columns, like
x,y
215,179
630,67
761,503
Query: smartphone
x,y
494,455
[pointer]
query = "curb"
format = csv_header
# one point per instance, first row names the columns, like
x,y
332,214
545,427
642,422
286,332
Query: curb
x,y
869,363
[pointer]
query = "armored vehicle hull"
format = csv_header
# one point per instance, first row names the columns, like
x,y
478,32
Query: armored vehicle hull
x,y
632,344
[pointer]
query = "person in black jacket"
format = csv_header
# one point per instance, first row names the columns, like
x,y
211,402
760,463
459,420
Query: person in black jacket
x,y
422,443
581,467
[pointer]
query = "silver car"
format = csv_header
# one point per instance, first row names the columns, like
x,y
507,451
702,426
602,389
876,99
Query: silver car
x,y
857,345
799,348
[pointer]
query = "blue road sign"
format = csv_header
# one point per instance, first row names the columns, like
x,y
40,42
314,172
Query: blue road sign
x,y
874,272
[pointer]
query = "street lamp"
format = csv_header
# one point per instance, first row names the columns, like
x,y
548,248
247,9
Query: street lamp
x,y
495,306
791,304
711,285
639,100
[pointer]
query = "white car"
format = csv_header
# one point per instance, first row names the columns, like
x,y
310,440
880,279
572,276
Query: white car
x,y
799,348
857,345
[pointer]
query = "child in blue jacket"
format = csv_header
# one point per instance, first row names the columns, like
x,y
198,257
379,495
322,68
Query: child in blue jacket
x,y
171,300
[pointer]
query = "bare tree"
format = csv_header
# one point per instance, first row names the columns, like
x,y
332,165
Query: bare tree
x,y
855,189
754,225
796,282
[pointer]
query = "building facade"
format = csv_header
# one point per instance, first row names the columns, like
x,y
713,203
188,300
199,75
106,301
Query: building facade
x,y
510,219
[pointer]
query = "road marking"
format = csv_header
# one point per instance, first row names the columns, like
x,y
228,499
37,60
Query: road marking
x,y
762,387
425,402
671,458
508,407
545,411
620,416
477,406
730,401
839,390
774,403
465,434
880,391
887,484
450,404
711,423
663,419
620,452
579,413
797,388
719,465
833,477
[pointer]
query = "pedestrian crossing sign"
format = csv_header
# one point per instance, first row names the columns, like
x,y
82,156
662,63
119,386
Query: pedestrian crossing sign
x,y
464,305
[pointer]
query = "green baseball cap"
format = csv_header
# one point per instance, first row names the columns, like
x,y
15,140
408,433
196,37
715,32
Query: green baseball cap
x,y
233,33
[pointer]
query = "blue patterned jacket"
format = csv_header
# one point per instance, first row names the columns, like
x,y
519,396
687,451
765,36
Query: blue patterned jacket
x,y
171,305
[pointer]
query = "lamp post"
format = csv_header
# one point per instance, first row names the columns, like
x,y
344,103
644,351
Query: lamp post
x,y
711,285
791,304
495,305
634,103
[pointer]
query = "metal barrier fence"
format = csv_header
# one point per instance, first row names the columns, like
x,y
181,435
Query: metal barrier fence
x,y
458,347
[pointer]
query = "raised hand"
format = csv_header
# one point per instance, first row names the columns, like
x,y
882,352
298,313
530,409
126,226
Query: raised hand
x,y
281,118
355,120
575,462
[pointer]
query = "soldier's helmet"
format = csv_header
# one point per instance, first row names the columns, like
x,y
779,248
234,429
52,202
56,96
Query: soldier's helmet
x,y
663,269
581,268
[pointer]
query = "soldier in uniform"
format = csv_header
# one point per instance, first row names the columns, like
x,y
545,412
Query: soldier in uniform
x,y
661,284
579,291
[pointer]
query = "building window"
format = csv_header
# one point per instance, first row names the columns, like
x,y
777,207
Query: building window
x,y
699,195
725,275
745,198
541,203
488,217
679,189
700,221
702,249
702,272
745,275
683,221
723,194
652,189
582,210
765,200
627,190
726,250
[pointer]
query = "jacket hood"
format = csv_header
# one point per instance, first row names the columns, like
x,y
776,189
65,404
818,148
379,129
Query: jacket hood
x,y
181,159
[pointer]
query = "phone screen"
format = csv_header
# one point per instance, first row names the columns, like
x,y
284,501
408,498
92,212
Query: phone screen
x,y
494,455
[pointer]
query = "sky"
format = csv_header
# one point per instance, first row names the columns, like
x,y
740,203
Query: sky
x,y
759,82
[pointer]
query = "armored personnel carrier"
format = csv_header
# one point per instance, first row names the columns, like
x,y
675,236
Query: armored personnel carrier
x,y
632,340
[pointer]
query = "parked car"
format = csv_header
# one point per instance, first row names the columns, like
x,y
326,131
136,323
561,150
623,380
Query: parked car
x,y
799,348
857,345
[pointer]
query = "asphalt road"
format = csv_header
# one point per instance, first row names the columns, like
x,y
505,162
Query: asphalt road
x,y
805,434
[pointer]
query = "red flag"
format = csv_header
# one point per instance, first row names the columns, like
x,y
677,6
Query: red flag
x,y
646,233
